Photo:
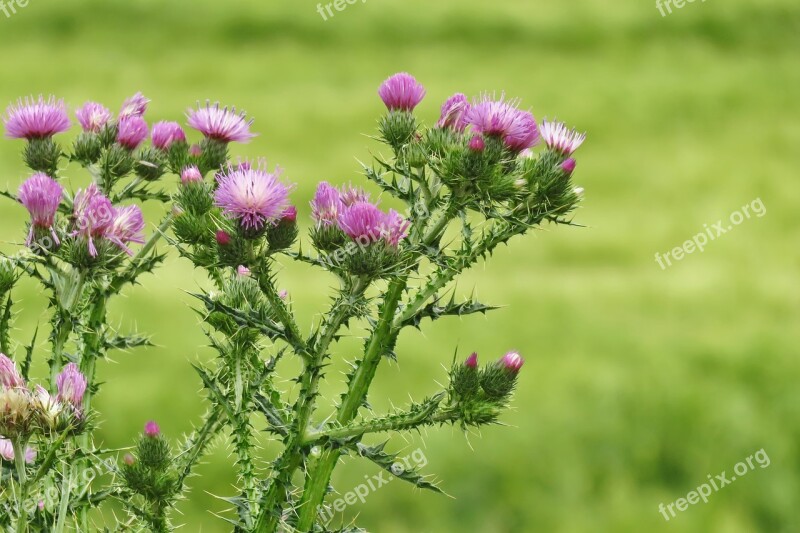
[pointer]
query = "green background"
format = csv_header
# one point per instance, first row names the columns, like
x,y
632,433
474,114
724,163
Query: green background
x,y
639,381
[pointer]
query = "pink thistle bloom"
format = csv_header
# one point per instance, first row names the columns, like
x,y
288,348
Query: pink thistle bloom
x,y
472,361
252,196
512,362
220,124
289,214
10,378
503,119
195,150
477,144
327,205
191,174
223,238
93,213
93,117
243,271
283,294
7,451
395,228
41,196
71,385
164,134
132,131
351,195
568,166
560,139
126,227
36,119
453,113
135,106
401,92
363,220
151,429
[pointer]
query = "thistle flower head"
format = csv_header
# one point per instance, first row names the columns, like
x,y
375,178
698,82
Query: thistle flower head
x,y
10,377
502,118
93,117
93,214
351,195
164,134
126,227
135,106
243,271
36,118
476,143
71,385
16,409
327,205
454,111
223,237
472,360
191,174
362,221
41,196
48,407
7,451
195,150
289,214
568,166
512,362
222,124
132,131
252,196
395,228
560,139
151,429
401,92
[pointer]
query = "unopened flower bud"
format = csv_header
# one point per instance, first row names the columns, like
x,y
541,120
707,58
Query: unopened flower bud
x,y
223,238
472,361
129,459
151,429
195,150
568,166
512,362
477,144
191,174
243,271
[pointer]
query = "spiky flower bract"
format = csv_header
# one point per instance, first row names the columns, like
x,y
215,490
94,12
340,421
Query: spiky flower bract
x,y
252,196
36,118
221,124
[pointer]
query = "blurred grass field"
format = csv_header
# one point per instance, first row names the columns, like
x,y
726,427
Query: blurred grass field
x,y
639,381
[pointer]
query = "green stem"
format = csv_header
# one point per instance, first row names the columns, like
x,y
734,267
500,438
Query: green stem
x,y
18,445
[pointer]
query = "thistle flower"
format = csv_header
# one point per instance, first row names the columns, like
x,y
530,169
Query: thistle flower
x,y
503,119
472,361
289,214
560,139
220,124
401,92
15,411
283,294
512,362
165,134
477,144
351,195
93,117
132,131
10,377
195,150
243,271
71,385
223,238
135,106
129,459
252,196
568,166
41,196
93,214
362,220
48,407
327,205
191,174
36,119
126,227
453,113
7,451
394,228
151,429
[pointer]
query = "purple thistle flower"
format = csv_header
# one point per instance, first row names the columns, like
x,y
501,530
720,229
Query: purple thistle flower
x,y
191,174
252,196
395,228
36,119
363,220
220,124
560,139
512,362
132,131
151,429
7,451
71,385
503,119
283,294
477,144
243,271
93,214
568,166
93,116
401,92
289,214
126,227
10,377
41,196
453,113
472,361
164,134
327,205
351,195
135,106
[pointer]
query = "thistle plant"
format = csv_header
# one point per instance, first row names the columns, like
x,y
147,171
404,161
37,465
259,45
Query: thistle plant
x,y
457,191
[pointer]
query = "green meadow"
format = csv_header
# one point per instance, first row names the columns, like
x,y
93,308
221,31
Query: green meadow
x,y
639,382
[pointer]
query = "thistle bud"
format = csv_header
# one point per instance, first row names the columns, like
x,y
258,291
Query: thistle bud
x,y
397,128
477,144
283,234
8,276
498,380
150,164
42,155
195,151
87,148
568,166
223,238
191,174
243,271
129,459
464,377
151,429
